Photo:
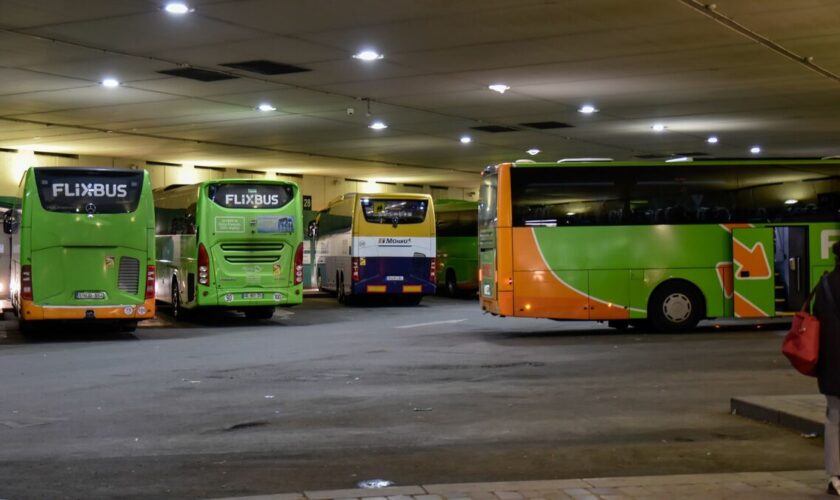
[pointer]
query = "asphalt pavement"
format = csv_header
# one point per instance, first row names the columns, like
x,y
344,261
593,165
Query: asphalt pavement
x,y
324,396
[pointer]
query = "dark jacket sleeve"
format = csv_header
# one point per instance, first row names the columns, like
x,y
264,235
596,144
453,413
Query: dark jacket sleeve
x,y
828,367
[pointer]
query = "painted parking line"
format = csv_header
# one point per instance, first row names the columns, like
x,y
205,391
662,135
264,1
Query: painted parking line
x,y
447,322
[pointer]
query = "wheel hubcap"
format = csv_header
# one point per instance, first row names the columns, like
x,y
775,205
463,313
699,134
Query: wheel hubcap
x,y
677,307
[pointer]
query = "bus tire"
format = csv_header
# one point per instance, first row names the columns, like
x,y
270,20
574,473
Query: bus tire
x,y
676,306
178,311
259,312
411,300
451,283
128,326
339,289
27,328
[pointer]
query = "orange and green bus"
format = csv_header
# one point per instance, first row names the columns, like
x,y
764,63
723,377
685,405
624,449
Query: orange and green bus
x,y
82,246
230,243
663,242
457,246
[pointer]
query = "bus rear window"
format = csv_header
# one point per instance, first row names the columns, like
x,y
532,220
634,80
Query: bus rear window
x,y
262,196
384,211
89,191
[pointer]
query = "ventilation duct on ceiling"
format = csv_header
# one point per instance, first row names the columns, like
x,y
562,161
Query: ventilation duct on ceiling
x,y
546,125
266,67
201,75
494,129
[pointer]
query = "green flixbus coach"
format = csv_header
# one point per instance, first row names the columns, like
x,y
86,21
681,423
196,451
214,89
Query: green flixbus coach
x,y
82,242
665,242
230,243
457,246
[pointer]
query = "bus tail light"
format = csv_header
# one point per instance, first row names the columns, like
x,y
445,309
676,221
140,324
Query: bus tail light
x,y
26,282
432,269
203,266
355,275
150,282
299,264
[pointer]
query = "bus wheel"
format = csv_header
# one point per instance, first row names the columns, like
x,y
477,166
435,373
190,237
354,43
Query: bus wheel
x,y
675,306
412,300
128,326
178,311
339,289
451,283
27,328
259,312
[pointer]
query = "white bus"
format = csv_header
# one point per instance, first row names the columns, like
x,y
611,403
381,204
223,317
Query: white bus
x,y
376,245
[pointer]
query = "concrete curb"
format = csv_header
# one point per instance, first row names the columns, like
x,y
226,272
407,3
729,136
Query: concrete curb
x,y
784,484
801,412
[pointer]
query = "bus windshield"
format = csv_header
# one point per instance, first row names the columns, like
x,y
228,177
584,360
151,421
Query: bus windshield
x,y
89,191
265,196
384,211
487,203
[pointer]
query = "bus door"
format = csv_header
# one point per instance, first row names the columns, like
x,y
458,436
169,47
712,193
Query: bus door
x,y
791,267
753,272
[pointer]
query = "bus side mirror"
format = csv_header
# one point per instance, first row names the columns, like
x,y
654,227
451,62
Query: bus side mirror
x,y
10,222
313,230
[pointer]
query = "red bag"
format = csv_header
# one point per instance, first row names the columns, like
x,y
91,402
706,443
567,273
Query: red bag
x,y
802,343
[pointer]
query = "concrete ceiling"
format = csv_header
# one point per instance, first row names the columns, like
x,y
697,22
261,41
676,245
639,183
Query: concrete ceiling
x,y
741,70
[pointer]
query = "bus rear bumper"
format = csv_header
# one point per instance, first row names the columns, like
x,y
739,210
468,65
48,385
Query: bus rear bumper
x,y
235,298
393,288
33,312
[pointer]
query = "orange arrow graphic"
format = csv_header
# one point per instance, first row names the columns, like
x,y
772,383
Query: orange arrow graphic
x,y
750,260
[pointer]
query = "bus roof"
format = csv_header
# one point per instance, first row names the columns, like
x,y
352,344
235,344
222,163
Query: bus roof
x,y
185,187
659,163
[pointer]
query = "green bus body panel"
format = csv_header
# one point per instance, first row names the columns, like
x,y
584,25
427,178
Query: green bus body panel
x,y
459,253
235,271
71,252
753,272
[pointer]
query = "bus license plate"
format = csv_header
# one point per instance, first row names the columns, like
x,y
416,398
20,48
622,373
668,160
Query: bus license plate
x,y
252,295
90,295
393,278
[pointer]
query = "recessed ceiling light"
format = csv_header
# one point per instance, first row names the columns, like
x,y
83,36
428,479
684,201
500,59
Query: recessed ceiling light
x,y
570,214
368,55
465,139
378,126
755,150
791,202
499,87
177,8
588,109
712,139
266,107
110,83
658,127
533,151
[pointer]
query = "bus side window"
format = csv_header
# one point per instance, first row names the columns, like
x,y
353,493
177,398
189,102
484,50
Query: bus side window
x,y
189,220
